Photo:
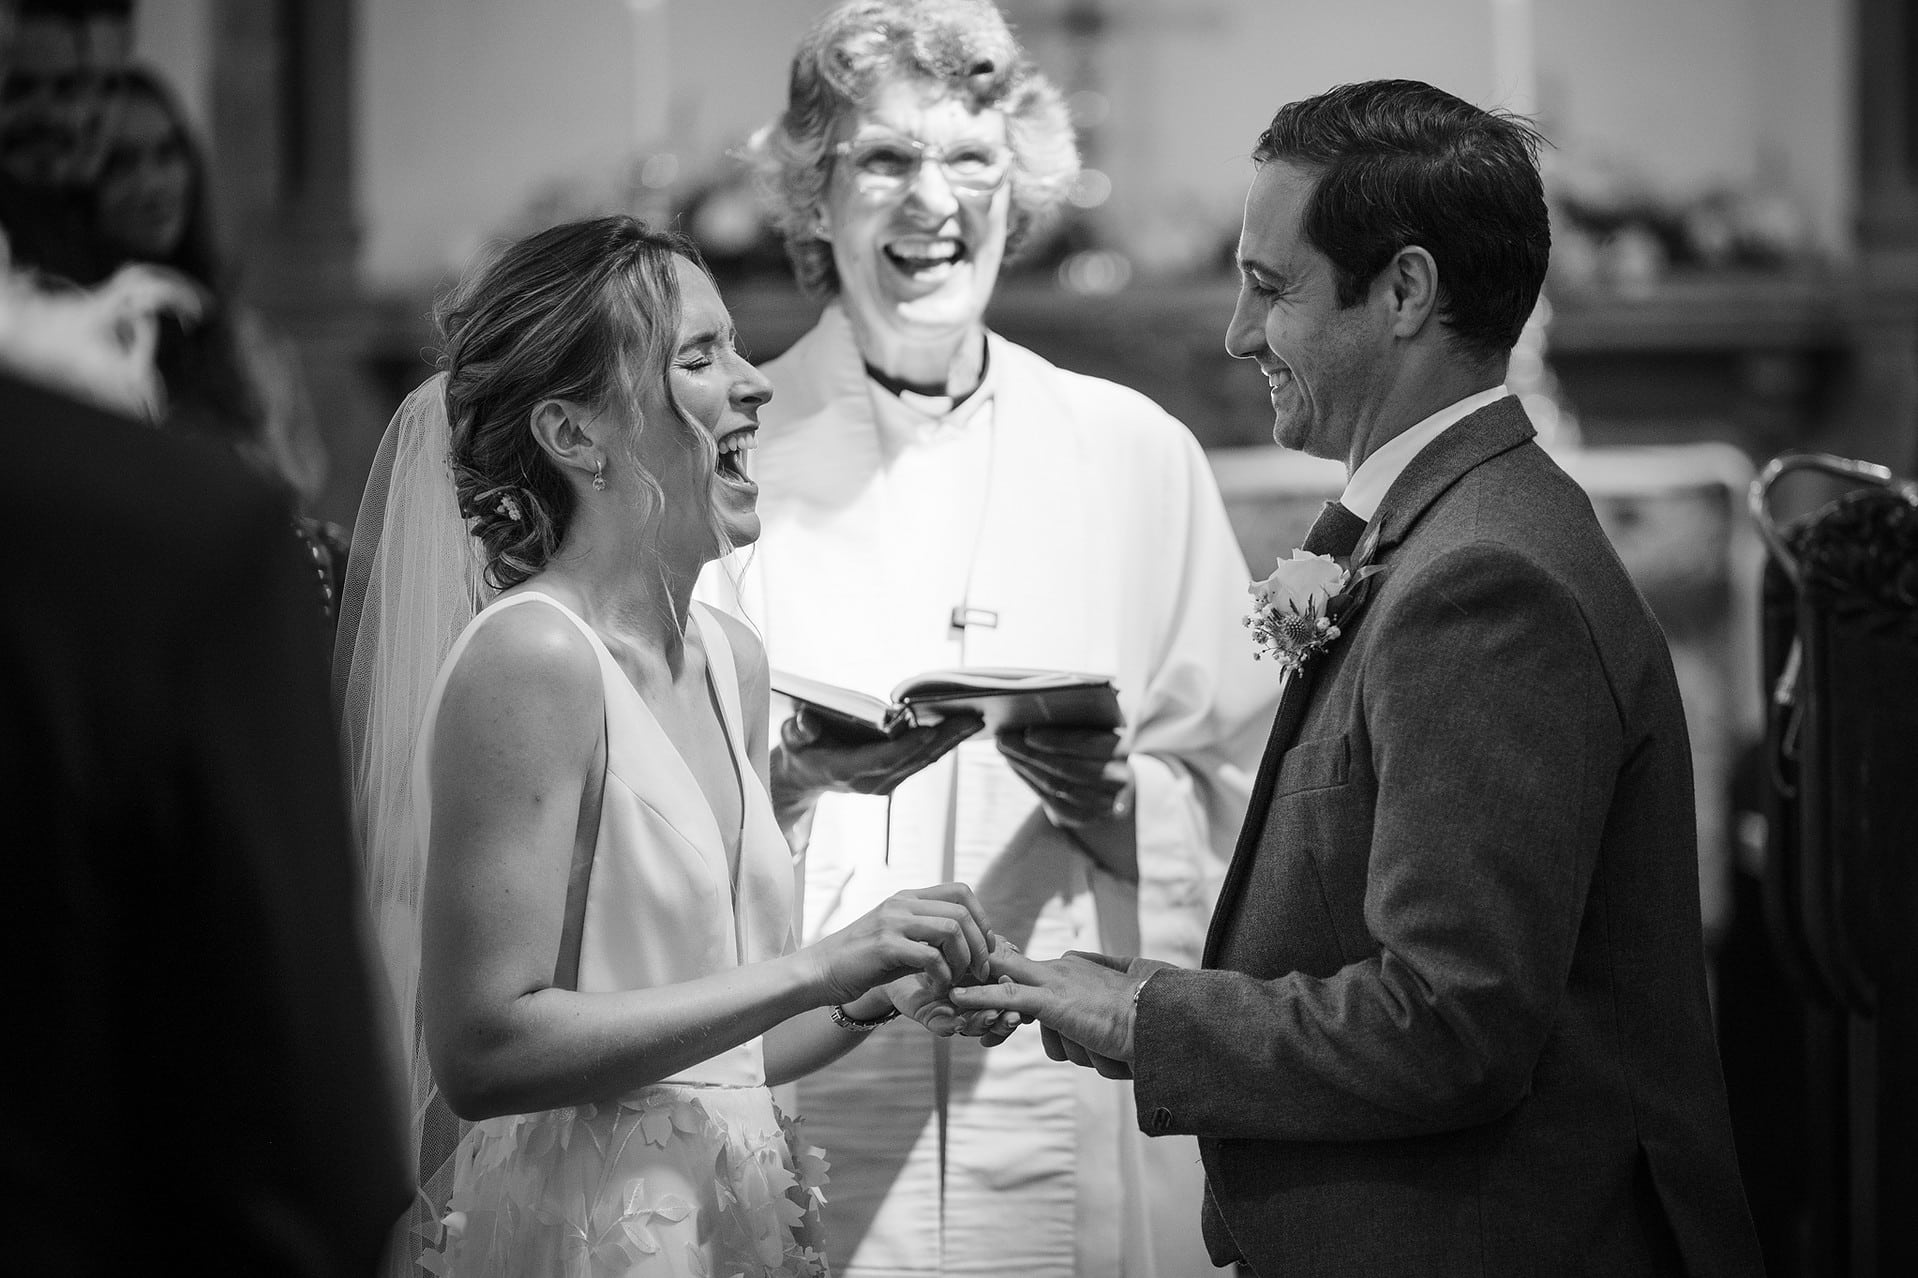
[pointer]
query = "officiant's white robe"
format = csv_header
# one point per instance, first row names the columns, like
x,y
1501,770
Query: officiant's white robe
x,y
1080,525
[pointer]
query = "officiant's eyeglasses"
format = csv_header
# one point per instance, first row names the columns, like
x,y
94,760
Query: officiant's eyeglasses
x,y
884,166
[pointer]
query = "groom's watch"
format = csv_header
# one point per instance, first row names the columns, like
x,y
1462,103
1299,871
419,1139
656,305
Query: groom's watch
x,y
853,1025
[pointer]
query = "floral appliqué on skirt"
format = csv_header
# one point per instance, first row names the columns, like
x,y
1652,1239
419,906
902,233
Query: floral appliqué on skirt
x,y
670,1182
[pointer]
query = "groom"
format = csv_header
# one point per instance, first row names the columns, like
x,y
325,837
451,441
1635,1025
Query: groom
x,y
1452,1016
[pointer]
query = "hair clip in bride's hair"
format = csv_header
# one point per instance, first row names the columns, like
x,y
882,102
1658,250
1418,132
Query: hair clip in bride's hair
x,y
509,507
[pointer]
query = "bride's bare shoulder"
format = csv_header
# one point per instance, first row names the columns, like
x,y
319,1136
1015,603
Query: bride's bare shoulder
x,y
531,654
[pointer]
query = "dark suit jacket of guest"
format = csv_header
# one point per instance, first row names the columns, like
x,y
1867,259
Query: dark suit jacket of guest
x,y
1454,1018
195,1048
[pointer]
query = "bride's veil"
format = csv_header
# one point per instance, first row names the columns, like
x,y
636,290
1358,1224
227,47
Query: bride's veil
x,y
413,582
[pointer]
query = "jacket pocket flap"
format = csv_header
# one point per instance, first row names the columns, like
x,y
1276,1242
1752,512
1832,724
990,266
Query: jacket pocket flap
x,y
1313,765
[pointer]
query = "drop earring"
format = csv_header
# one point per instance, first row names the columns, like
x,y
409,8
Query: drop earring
x,y
599,475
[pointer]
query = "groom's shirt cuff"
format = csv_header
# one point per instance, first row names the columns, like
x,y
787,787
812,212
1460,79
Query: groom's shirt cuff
x,y
1161,1071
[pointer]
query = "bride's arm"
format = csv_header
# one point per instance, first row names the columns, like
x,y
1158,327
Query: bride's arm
x,y
517,734
800,1045
797,1046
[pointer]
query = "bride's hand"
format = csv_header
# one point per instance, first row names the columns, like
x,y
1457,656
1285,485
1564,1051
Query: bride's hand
x,y
937,932
929,1004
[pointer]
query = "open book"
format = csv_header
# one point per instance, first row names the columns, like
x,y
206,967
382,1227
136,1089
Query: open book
x,y
1004,697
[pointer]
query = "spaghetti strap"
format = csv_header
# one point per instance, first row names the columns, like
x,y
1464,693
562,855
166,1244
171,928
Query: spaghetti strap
x,y
543,597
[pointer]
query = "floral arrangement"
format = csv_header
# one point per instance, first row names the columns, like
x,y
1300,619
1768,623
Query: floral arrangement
x,y
1296,611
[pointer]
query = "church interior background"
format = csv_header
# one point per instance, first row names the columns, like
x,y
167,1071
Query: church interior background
x,y
1735,268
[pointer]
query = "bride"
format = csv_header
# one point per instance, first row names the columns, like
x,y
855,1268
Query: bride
x,y
579,885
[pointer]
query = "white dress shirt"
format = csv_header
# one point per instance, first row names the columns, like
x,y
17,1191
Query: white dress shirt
x,y
1376,474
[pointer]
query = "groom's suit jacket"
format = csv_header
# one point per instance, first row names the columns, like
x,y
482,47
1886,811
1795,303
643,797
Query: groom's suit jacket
x,y
1453,1019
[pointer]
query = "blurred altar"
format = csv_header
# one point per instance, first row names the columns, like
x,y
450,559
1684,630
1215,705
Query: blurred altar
x,y
1735,258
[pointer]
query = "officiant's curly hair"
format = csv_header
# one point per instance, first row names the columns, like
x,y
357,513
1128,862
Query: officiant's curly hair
x,y
856,49
1400,163
587,311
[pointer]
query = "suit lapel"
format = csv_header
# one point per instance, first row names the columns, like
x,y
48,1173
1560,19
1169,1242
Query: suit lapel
x,y
1285,725
1497,428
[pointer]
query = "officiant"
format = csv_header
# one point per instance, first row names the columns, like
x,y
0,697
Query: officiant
x,y
934,496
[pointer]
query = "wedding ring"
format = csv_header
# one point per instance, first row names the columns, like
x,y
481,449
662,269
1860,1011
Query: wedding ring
x,y
1122,804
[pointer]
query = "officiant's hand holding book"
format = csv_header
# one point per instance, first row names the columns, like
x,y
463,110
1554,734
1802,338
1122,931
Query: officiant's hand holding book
x,y
841,740
1004,698
817,754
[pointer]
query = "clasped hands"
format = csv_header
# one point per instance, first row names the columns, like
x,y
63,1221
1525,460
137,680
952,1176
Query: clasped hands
x,y
913,950
1085,1003
987,989
930,953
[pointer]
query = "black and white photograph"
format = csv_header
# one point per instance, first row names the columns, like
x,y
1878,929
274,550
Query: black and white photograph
x,y
961,638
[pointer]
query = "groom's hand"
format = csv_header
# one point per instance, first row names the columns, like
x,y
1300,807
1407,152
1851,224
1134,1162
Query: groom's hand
x,y
924,1001
1083,1002
930,1003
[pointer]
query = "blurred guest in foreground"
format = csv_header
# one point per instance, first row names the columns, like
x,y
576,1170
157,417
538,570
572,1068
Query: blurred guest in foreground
x,y
60,62
228,377
97,170
934,496
198,1046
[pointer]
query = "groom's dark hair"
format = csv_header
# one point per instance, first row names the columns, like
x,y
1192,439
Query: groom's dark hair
x,y
1399,163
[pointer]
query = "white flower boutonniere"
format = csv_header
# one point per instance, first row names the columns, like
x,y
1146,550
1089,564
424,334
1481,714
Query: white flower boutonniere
x,y
1296,611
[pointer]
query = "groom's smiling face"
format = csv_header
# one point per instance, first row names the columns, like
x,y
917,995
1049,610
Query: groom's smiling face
x,y
1323,362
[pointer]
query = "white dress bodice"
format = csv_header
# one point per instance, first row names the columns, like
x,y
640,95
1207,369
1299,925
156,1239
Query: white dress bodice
x,y
698,1173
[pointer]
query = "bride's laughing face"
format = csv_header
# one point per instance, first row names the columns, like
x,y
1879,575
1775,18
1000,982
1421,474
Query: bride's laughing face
x,y
720,393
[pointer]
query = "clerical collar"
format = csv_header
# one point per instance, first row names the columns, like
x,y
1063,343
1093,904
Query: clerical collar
x,y
917,393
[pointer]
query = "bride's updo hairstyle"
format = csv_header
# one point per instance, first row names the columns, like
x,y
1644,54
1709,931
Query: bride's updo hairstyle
x,y
587,311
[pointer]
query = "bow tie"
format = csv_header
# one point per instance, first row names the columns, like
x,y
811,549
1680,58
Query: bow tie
x,y
1335,532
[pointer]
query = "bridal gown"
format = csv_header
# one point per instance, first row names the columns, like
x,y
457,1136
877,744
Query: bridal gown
x,y
700,1175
